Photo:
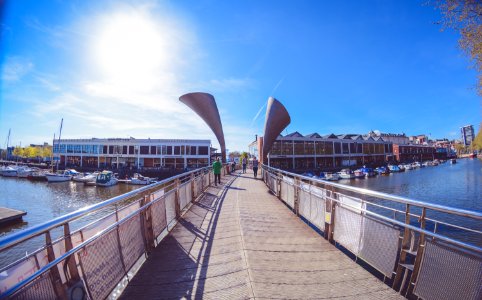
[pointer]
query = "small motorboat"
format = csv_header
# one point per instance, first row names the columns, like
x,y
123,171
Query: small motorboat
x,y
37,175
86,177
10,171
346,174
24,172
394,168
359,173
140,180
329,176
382,170
106,178
60,176
453,161
408,167
369,172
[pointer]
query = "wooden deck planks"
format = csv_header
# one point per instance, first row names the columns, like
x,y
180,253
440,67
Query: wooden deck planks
x,y
245,245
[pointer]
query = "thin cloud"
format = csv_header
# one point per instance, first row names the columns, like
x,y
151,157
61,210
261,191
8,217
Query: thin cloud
x,y
15,68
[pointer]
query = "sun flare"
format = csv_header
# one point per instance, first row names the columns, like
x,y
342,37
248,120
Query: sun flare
x,y
130,47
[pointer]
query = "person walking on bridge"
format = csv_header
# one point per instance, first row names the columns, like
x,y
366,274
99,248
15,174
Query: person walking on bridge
x,y
217,171
244,164
255,167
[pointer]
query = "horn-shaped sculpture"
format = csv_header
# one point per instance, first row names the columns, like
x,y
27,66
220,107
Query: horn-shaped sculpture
x,y
205,106
277,118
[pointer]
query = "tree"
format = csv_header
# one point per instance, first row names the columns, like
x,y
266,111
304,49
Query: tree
x,y
465,16
477,142
460,148
18,152
29,152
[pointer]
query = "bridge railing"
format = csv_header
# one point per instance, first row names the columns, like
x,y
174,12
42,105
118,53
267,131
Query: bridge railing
x,y
427,250
98,257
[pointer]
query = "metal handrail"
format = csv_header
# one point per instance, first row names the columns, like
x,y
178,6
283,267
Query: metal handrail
x,y
437,207
393,221
36,230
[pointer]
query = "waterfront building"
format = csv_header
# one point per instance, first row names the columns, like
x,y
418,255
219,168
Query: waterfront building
x,y
145,153
313,151
467,133
395,138
414,152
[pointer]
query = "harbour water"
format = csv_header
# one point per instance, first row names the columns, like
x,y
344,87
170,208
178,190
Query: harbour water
x,y
44,201
458,185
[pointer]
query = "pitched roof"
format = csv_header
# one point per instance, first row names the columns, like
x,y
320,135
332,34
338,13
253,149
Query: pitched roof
x,y
294,134
313,135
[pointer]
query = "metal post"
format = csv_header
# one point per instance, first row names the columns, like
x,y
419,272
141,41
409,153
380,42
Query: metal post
x,y
403,254
418,258
70,261
54,272
146,219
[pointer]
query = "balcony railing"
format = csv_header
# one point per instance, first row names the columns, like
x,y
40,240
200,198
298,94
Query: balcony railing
x,y
427,250
99,258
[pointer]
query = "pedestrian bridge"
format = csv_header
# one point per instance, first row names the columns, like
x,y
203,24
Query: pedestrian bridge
x,y
278,236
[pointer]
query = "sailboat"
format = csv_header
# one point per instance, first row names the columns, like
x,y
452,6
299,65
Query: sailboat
x,y
60,176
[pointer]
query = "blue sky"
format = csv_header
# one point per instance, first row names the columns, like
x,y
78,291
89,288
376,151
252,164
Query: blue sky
x,y
117,68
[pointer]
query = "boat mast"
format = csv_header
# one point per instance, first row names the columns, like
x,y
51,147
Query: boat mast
x,y
60,134
8,142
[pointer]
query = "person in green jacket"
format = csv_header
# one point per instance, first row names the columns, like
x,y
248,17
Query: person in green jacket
x,y
217,171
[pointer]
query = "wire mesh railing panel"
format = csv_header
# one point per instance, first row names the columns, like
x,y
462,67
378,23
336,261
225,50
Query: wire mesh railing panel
x,y
131,240
188,193
183,201
159,220
102,265
206,179
284,191
17,272
170,206
305,202
317,212
290,197
449,273
98,226
40,288
348,226
379,245
128,209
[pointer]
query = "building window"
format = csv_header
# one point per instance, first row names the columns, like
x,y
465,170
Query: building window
x,y
299,148
177,150
169,150
203,150
345,149
337,148
153,150
287,148
193,150
276,148
309,148
352,147
131,149
144,149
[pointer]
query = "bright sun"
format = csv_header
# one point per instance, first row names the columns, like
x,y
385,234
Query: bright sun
x,y
129,46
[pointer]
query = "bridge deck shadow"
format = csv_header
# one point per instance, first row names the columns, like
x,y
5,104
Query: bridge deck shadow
x,y
240,242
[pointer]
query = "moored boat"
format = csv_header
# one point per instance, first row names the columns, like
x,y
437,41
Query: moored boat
x,y
329,176
382,170
453,161
394,168
138,179
346,174
368,172
106,178
59,176
24,172
10,171
359,173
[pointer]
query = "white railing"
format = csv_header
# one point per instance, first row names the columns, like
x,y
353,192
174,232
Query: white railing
x,y
98,259
423,249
